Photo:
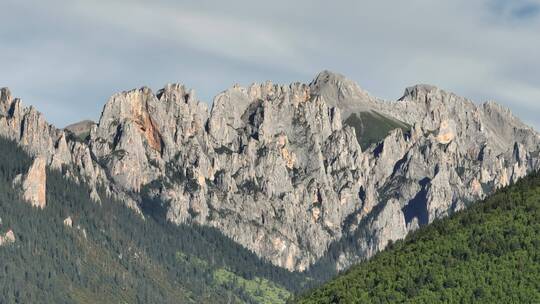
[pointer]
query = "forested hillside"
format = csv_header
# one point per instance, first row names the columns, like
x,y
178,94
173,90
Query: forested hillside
x,y
489,253
111,255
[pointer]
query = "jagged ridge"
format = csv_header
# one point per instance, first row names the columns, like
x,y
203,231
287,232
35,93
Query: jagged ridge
x,y
278,169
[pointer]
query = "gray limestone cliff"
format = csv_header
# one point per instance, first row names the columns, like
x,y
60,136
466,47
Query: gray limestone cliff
x,y
33,184
287,170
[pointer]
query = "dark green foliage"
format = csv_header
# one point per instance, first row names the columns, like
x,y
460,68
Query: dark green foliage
x,y
372,127
151,205
489,253
112,255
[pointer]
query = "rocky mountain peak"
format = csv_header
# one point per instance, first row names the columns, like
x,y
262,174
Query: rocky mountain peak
x,y
286,170
5,99
492,105
337,90
329,78
501,114
139,132
176,92
126,105
134,107
433,97
5,94
419,92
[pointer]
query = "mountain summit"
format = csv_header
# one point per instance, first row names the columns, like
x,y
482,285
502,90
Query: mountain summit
x,y
289,170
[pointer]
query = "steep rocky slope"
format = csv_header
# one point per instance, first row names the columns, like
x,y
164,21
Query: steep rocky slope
x,y
288,170
77,251
487,253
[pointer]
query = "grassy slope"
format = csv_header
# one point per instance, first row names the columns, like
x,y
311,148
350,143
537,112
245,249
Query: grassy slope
x,y
372,127
489,253
259,289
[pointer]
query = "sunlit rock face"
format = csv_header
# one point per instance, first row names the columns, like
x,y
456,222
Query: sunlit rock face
x,y
7,238
281,169
34,184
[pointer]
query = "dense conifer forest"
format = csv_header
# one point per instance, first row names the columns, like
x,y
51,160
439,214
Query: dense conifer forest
x,y
489,253
113,255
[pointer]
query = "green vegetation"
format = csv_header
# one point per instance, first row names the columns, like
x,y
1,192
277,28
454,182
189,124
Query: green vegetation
x,y
113,255
489,253
372,127
261,290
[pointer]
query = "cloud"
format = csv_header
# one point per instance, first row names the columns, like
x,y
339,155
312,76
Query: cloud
x,y
67,57
518,10
210,32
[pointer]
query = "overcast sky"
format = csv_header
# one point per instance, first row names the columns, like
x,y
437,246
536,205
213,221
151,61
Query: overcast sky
x,y
67,57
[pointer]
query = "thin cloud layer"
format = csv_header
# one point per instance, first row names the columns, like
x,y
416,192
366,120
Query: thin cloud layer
x,y
68,57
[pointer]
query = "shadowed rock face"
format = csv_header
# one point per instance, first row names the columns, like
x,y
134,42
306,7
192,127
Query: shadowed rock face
x,y
280,169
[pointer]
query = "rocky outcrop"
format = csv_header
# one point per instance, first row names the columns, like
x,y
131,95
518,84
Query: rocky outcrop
x,y
27,126
68,222
280,168
34,183
59,150
7,238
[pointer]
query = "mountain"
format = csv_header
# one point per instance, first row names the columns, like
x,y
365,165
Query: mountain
x,y
488,253
80,130
312,177
76,251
